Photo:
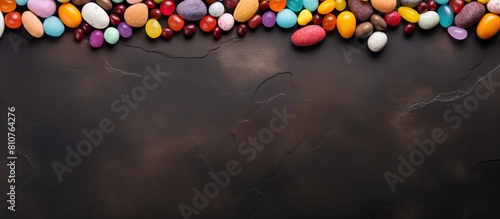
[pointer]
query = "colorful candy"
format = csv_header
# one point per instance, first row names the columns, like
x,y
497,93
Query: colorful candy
x,y
445,15
70,15
384,6
361,9
409,14
286,18
364,30
136,15
377,41
208,23
329,22
153,28
346,24
32,24
95,16
294,5
226,22
308,35
269,19
96,38
191,10
470,15
13,20
277,5
175,22
41,8
326,6
311,5
2,24
216,9
457,32
428,20
245,10
305,16
53,26
488,26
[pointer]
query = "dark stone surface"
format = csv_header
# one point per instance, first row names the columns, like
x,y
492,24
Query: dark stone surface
x,y
355,114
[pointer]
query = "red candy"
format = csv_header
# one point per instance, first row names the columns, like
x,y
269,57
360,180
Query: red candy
x,y
114,19
175,22
392,18
150,3
208,23
189,30
85,27
167,33
456,5
13,20
422,7
263,6
242,30
120,9
409,28
432,5
317,19
78,34
155,13
217,32
255,21
167,7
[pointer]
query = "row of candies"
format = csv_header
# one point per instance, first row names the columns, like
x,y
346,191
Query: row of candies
x,y
108,20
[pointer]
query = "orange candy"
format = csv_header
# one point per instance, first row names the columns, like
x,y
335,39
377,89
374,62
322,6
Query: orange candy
x,y
7,5
13,20
277,5
329,22
175,22
208,23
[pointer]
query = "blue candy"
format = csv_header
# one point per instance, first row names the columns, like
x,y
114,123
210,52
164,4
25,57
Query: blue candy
x,y
286,18
53,26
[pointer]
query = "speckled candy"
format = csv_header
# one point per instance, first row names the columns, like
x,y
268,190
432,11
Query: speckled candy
x,y
488,26
470,15
136,15
377,41
42,8
125,30
192,10
361,9
286,18
32,24
96,38
269,19
226,22
493,6
457,32
111,35
53,26
245,10
70,15
95,16
308,35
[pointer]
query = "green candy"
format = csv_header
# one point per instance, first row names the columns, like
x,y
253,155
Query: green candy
x,y
111,35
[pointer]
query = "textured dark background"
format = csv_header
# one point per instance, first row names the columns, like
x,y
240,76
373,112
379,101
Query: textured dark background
x,y
353,112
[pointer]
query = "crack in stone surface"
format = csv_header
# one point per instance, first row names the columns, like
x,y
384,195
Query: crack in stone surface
x,y
211,170
475,66
49,122
377,210
31,163
482,163
329,135
74,68
452,96
168,55
110,68
270,78
252,213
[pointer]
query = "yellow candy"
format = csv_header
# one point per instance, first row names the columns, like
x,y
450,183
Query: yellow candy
x,y
488,26
409,14
346,24
340,5
326,7
69,15
483,1
305,16
153,28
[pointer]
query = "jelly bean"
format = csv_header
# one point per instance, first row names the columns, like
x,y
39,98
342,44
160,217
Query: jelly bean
x,y
255,21
410,3
277,5
294,5
13,20
193,10
445,15
167,7
120,9
32,24
483,1
329,22
326,6
488,26
167,33
311,5
286,18
469,15
117,1
422,7
392,18
8,5
384,6
308,36
157,1
209,2
378,22
340,5
432,5
263,6
96,38
208,23
69,15
125,30
457,33
346,24
242,30
226,22
189,30
217,32
231,3
428,20
85,27
305,16
245,10
175,22
21,2
2,24
377,41
155,13
105,4
410,28
364,30
111,35
456,5
80,2
442,2
409,14
150,3
78,34
216,9
94,15
317,19
361,9
42,8
153,28
53,26
269,19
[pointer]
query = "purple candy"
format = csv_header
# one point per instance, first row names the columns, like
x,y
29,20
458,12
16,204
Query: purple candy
x,y
457,32
96,38
269,19
124,29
